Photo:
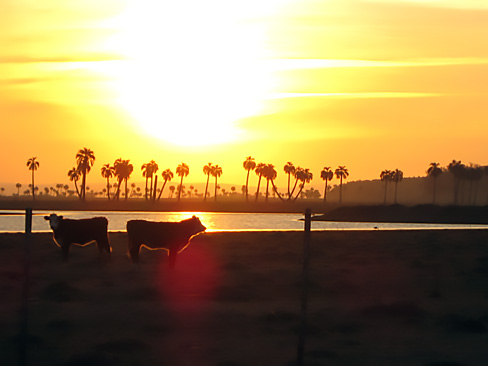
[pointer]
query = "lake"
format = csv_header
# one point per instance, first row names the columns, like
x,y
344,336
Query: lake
x,y
14,221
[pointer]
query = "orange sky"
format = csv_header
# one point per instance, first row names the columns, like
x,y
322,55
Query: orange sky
x,y
371,85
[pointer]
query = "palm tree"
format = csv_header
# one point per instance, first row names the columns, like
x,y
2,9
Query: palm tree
x,y
216,172
434,171
341,173
74,176
18,186
172,191
85,159
457,169
397,177
167,176
326,174
249,164
123,170
108,172
289,169
148,171
32,165
304,176
386,176
270,174
207,170
260,170
182,170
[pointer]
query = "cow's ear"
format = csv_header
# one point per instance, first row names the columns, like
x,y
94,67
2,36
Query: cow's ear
x,y
46,218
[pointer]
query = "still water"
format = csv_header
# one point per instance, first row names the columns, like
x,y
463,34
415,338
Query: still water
x,y
14,221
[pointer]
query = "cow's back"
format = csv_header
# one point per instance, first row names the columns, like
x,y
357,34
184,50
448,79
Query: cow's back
x,y
83,230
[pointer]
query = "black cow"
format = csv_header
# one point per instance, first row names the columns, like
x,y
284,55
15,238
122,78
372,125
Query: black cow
x,y
81,232
174,237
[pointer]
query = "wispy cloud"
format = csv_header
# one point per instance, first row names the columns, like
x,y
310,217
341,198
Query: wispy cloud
x,y
354,95
304,63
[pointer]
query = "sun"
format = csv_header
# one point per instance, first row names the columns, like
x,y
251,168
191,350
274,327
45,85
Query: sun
x,y
193,69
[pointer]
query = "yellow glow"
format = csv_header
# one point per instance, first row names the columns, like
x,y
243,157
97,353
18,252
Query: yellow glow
x,y
192,68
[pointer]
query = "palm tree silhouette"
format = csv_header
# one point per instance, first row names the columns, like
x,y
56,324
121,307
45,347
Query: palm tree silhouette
x,y
270,174
434,171
289,169
397,176
260,170
167,176
249,164
457,169
216,172
182,170
386,176
85,159
18,186
74,175
32,165
108,172
341,173
326,174
123,170
148,171
207,170
304,176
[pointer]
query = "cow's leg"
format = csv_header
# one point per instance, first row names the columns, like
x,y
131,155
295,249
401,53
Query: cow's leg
x,y
104,245
134,251
172,258
65,250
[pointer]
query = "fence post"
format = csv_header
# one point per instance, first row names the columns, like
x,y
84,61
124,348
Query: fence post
x,y
304,299
24,337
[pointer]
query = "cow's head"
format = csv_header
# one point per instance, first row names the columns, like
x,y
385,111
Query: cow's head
x,y
197,226
54,220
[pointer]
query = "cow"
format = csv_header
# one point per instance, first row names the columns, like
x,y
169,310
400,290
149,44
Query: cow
x,y
80,232
173,237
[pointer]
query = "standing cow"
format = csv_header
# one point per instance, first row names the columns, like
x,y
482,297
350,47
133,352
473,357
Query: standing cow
x,y
174,237
81,232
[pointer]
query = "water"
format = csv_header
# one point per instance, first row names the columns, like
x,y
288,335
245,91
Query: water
x,y
14,221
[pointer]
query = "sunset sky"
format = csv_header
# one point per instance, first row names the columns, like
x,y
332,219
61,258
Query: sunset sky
x,y
371,85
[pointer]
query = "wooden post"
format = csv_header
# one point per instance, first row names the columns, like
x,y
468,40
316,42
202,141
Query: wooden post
x,y
24,337
304,299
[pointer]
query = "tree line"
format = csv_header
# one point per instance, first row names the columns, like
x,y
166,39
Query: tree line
x,y
118,174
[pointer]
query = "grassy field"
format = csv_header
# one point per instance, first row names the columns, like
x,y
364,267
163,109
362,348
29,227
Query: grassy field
x,y
376,298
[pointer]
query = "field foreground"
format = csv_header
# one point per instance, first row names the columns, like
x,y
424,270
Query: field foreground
x,y
376,298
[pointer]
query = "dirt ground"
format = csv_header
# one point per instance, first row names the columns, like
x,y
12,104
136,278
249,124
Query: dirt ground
x,y
375,298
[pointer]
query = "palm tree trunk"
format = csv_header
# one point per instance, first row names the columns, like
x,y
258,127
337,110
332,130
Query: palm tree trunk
x,y
300,191
247,185
33,186
276,190
108,188
293,190
215,197
153,197
126,189
206,187
267,189
83,186
145,192
257,191
340,191
181,185
162,189
325,191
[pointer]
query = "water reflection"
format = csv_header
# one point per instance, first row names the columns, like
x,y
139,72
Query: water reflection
x,y
14,221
